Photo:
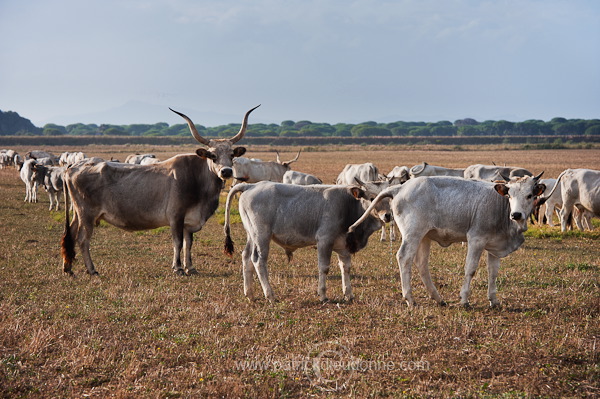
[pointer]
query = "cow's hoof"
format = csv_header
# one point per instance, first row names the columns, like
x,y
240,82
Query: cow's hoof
x,y
191,272
179,272
443,304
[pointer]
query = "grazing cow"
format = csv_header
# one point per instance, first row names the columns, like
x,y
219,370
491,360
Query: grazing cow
x,y
31,184
136,159
581,188
447,209
181,192
398,175
69,158
255,170
149,161
424,169
4,160
46,161
51,178
493,172
364,171
299,178
37,154
297,217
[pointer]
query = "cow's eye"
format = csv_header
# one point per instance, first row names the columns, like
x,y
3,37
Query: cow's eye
x,y
530,196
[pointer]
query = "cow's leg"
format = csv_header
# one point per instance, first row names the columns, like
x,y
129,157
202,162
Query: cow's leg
x,y
493,264
405,257
324,251
566,212
383,236
392,231
84,236
259,256
34,190
422,263
474,252
248,269
578,216
548,212
345,264
177,236
188,240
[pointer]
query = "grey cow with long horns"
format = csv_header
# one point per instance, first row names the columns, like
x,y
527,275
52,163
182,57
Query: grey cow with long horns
x,y
488,216
181,192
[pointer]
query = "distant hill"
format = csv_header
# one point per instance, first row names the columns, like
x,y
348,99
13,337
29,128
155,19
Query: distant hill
x,y
11,123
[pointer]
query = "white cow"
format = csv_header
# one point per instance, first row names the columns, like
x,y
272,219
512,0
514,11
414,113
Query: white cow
x,y
149,161
31,185
398,175
51,177
254,170
70,158
424,169
581,188
299,178
493,172
135,159
447,209
296,217
364,171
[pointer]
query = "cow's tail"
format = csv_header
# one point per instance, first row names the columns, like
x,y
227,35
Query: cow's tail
x,y
67,243
350,239
228,249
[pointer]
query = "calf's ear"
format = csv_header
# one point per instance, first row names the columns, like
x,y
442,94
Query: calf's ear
x,y
239,151
203,153
539,189
357,192
501,189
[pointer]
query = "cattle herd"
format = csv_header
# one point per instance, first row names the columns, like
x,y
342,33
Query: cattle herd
x,y
485,206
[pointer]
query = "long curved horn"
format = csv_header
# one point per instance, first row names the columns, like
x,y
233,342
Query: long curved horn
x,y
295,159
195,133
242,131
536,178
277,160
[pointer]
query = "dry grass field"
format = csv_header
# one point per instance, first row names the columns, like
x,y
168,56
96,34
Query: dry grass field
x,y
137,330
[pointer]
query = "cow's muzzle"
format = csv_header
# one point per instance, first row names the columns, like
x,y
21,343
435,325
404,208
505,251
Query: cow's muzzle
x,y
225,173
516,216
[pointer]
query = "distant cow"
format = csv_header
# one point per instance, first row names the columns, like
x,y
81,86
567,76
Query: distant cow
x,y
149,161
398,175
37,154
364,171
424,169
296,217
581,188
136,159
492,172
69,158
299,178
181,192
487,216
52,180
31,184
255,170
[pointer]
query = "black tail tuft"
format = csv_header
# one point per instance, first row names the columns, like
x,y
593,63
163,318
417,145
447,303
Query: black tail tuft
x,y
228,250
67,246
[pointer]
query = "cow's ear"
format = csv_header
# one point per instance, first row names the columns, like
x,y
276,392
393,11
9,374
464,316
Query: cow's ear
x,y
539,189
239,151
501,189
357,192
203,153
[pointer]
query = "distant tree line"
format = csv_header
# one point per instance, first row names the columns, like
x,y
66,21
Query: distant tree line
x,y
12,124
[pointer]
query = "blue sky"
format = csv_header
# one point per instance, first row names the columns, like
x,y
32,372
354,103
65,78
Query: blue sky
x,y
126,61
